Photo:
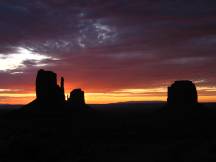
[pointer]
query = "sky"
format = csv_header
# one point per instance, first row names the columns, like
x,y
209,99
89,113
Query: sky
x,y
115,50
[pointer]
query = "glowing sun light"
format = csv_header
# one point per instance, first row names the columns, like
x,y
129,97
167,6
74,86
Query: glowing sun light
x,y
17,59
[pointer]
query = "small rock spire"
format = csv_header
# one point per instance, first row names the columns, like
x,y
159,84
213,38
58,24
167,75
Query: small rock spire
x,y
62,86
62,83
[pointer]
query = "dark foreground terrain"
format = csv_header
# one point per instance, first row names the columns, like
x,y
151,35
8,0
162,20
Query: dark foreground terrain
x,y
110,133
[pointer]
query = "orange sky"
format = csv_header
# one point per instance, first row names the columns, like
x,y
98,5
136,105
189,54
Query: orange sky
x,y
124,95
115,51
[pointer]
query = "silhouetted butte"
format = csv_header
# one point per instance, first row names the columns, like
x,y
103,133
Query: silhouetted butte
x,y
182,93
50,96
76,99
47,89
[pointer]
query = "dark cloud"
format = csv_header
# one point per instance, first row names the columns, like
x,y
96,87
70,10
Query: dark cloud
x,y
107,45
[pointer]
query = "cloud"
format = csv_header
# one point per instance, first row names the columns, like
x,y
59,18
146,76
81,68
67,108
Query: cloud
x,y
16,60
142,91
106,46
9,90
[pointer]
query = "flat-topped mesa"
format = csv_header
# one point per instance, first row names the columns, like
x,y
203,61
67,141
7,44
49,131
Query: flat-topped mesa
x,y
76,98
182,92
48,92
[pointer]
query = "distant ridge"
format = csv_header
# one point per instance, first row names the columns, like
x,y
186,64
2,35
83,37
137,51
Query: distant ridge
x,y
139,102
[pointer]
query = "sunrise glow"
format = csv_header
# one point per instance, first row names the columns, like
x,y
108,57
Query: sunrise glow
x,y
115,51
124,95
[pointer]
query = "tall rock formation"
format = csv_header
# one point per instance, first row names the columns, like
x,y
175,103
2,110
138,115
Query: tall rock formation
x,y
48,92
182,92
77,98
51,97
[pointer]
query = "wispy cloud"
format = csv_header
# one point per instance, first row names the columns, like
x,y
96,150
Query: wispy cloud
x,y
142,91
16,60
130,46
9,90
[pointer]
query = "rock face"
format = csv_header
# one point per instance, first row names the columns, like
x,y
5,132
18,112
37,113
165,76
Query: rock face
x,y
50,97
48,92
76,98
182,93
